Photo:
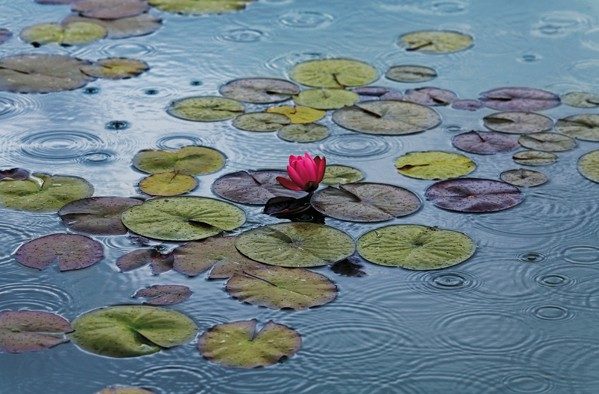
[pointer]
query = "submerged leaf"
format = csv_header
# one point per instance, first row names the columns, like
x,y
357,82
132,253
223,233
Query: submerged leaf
x,y
259,90
164,294
434,165
298,114
205,108
97,215
31,331
435,41
523,177
518,122
168,184
333,73
519,99
187,160
588,165
583,127
70,33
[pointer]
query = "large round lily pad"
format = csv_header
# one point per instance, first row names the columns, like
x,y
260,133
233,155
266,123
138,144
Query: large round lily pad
x,y
109,9
198,7
240,344
434,165
305,133
588,165
334,73
583,127
205,108
182,218
485,143
295,244
474,195
298,114
408,73
69,251
164,294
435,41
31,331
415,247
134,26
168,184
518,122
581,99
534,158
259,90
523,177
339,175
71,33
519,99
547,142
387,117
116,68
326,98
43,192
261,121
365,202
188,160
282,288
97,215
252,187
131,330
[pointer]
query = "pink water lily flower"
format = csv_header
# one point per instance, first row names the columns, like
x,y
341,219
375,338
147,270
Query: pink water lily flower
x,y
305,173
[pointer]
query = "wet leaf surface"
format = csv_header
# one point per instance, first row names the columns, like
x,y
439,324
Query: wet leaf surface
x,y
518,122
116,68
408,73
109,9
303,133
187,160
349,268
333,73
467,105
588,165
547,142
5,35
97,215
164,294
373,91
259,90
430,96
205,108
198,7
134,26
434,165
261,121
67,34
325,99
298,114
159,262
581,99
524,178
534,158
339,175
31,331
294,209
519,99
435,41
583,127
168,184
485,143
16,174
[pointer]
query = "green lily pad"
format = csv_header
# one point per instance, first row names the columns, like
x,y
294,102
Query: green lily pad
x,y
187,160
303,133
435,41
239,344
518,122
131,330
295,244
534,158
282,288
387,117
259,90
588,166
43,192
434,165
326,98
198,7
408,73
298,114
31,331
125,390
334,73
182,218
260,121
340,175
581,99
116,68
524,178
582,127
205,108
71,33
547,142
168,184
415,247
134,26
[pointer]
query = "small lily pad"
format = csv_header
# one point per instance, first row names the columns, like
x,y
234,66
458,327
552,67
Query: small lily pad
x,y
326,98
582,127
430,96
198,7
339,175
164,294
588,165
239,344
168,184
534,158
387,117
415,247
295,244
409,73
282,288
97,215
31,331
260,121
71,33
519,99
187,160
252,187
374,91
205,108
334,73
467,105
116,68
298,114
182,218
303,133
547,142
435,41
474,195
485,143
581,99
109,9
131,330
43,192
259,90
125,390
518,122
15,174
365,202
159,262
5,35
69,251
523,177
134,26
434,165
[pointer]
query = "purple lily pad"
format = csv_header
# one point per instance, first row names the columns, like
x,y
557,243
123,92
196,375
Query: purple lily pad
x,y
110,9
69,251
5,35
97,215
430,96
485,143
252,187
159,262
474,195
374,92
31,331
16,174
519,99
392,95
467,105
164,294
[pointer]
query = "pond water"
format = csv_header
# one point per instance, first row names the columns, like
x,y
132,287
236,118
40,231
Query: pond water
x,y
518,316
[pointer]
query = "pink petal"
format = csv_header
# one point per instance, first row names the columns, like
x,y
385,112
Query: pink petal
x,y
302,170
321,165
295,177
310,166
287,184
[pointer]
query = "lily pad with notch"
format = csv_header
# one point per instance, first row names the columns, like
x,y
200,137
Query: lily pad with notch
x,y
97,215
159,262
524,178
334,73
261,121
187,160
430,96
581,99
588,166
109,9
435,41
518,122
547,142
583,127
259,90
326,99
298,114
303,133
168,184
31,331
434,165
199,7
116,68
534,158
485,142
134,26
66,34
409,73
161,295
205,108
519,99
336,174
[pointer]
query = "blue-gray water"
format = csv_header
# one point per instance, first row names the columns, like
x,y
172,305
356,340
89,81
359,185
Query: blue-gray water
x,y
520,316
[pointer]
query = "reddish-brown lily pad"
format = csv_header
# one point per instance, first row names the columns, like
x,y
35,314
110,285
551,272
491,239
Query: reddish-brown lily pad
x,y
5,35
17,174
158,262
518,122
97,215
430,96
31,331
252,187
519,99
259,90
69,251
164,294
484,143
109,9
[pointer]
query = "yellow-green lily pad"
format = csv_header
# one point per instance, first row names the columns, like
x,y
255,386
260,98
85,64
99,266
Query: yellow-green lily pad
x,y
581,99
188,160
326,98
133,26
71,33
260,121
435,165
334,73
339,175
199,7
582,127
205,108
310,132
298,114
588,165
116,68
168,184
435,41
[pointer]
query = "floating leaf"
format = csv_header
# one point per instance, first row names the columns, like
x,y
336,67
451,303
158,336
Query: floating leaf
x,y
583,127
588,165
41,73
97,215
304,133
109,9
547,142
168,184
205,108
131,330
340,175
326,98
116,68
298,114
69,251
294,209
434,165
187,160
519,99
182,218
124,390
158,262
134,26
15,174
333,73
295,244
71,33
164,294
239,344
415,247
252,187
374,91
282,288
259,90
484,143
435,41
387,117
518,122
523,177
43,192
410,73
260,121
5,35
474,195
54,2
467,105
534,158
581,99
31,331
198,7
365,202
430,96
